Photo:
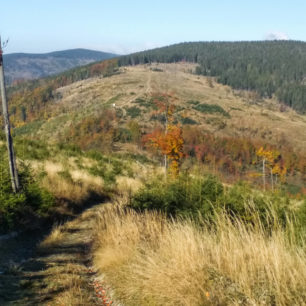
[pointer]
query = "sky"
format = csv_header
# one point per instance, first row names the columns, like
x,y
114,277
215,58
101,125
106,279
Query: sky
x,y
125,26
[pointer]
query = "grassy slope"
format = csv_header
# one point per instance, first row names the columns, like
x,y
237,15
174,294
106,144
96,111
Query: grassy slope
x,y
69,176
250,117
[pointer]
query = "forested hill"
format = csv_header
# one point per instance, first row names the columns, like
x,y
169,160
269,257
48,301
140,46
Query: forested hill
x,y
269,67
25,66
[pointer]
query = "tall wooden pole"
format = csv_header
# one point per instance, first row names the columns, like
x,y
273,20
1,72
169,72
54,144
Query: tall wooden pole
x,y
10,149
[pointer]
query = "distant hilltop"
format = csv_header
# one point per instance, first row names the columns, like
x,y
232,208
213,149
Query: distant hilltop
x,y
27,66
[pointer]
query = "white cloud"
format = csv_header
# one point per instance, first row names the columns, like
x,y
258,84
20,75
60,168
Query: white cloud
x,y
275,35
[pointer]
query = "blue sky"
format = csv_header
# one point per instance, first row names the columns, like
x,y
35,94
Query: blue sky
x,y
126,26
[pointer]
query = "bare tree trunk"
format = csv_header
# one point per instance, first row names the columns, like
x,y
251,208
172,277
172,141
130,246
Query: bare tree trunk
x,y
276,180
166,132
264,173
272,186
10,149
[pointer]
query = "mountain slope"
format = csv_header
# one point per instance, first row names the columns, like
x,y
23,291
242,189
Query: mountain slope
x,y
104,108
20,66
272,68
235,113
222,127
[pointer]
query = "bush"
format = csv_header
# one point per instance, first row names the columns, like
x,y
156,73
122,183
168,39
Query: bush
x,y
184,196
31,201
211,109
301,219
240,201
193,102
156,69
206,196
32,149
133,111
106,168
187,120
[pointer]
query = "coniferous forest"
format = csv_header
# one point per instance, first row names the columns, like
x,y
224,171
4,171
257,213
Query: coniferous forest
x,y
271,68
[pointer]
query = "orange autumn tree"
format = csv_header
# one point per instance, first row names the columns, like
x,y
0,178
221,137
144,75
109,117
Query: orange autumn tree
x,y
169,141
271,158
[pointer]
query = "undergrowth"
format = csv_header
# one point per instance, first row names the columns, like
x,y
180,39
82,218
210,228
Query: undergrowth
x,y
206,197
20,208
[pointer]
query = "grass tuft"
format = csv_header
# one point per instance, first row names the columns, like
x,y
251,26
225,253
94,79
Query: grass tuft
x,y
151,260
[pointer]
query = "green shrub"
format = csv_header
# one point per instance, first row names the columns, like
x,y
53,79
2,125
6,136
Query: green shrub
x,y
156,69
301,219
17,209
107,169
248,205
292,188
29,128
211,109
95,155
205,196
184,196
32,149
145,102
193,102
123,135
69,149
133,111
187,120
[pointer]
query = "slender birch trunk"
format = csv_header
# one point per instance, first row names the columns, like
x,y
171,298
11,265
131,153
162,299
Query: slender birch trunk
x,y
264,173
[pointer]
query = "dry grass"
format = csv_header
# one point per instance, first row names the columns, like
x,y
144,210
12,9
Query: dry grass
x,y
76,189
64,189
74,293
153,261
53,238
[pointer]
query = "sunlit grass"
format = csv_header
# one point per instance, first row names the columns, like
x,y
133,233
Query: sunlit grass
x,y
153,261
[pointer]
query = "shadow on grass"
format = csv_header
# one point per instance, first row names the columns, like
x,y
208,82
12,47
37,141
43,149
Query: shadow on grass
x,y
24,275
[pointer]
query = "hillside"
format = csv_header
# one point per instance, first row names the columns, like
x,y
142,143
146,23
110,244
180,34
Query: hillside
x,y
222,127
272,68
25,66
245,114
212,234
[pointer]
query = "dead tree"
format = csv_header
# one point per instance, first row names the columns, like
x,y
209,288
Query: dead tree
x,y
10,149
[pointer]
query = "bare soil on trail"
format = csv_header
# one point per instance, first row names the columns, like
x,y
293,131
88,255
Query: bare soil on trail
x,y
54,271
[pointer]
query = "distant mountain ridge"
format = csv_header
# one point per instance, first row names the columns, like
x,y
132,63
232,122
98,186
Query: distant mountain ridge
x,y
26,66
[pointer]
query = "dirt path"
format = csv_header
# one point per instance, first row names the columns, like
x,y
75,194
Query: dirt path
x,y
58,271
148,83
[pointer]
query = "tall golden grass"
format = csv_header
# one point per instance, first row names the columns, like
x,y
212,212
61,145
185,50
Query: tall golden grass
x,y
74,191
150,260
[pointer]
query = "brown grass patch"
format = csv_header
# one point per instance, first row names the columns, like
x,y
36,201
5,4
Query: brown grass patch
x,y
152,261
53,238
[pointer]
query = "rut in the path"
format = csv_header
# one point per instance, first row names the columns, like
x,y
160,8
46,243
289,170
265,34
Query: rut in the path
x,y
57,273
